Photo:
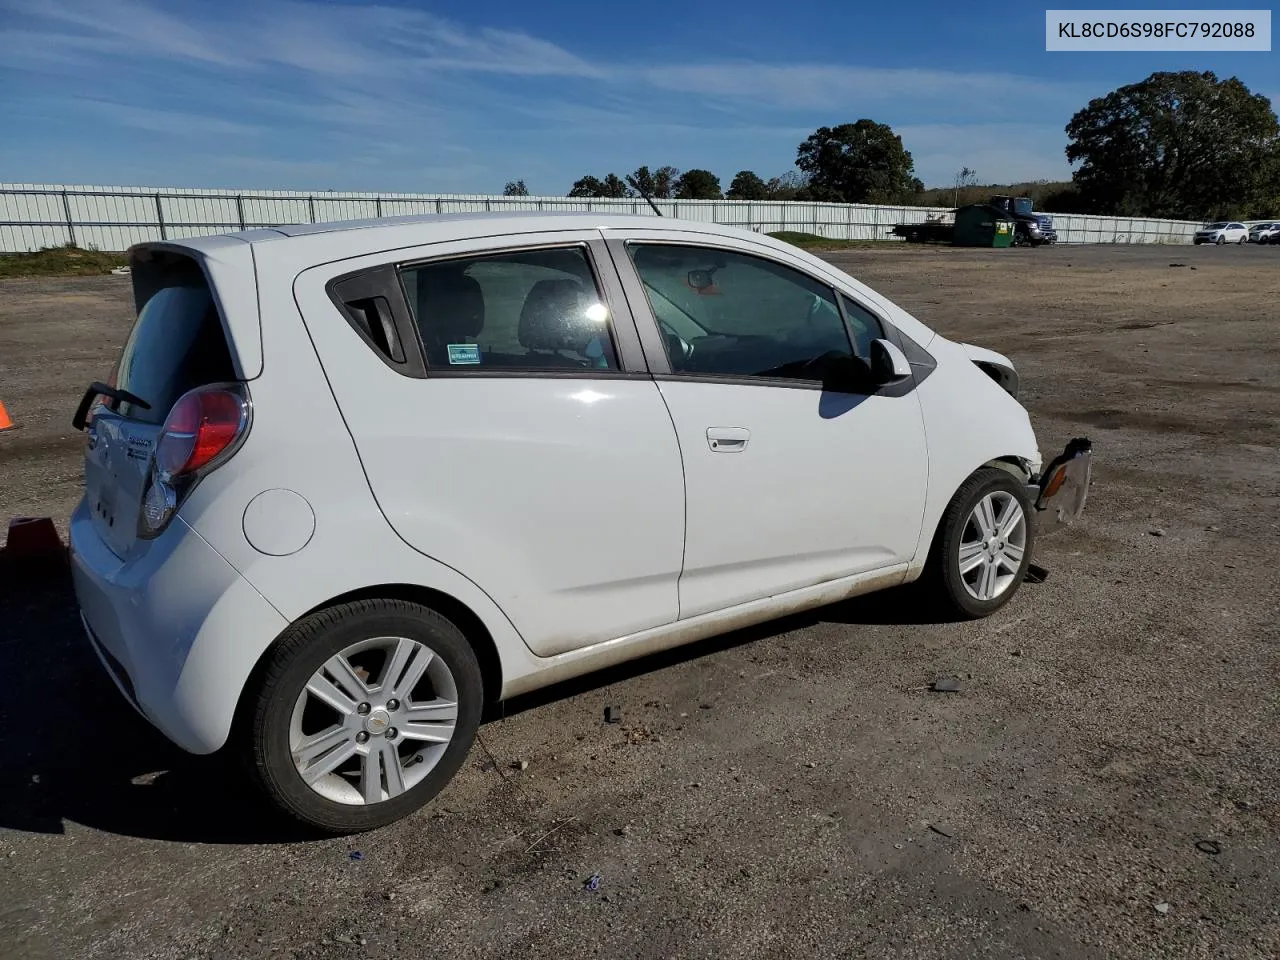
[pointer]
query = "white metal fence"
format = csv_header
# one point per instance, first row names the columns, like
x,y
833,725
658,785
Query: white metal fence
x,y
34,216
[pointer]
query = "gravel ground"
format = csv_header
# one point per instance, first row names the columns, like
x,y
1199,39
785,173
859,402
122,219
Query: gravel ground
x,y
1104,785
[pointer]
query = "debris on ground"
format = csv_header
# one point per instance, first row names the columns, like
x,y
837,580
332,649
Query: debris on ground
x,y
592,883
520,765
1163,908
1035,573
612,714
1156,532
1211,847
356,855
946,685
941,829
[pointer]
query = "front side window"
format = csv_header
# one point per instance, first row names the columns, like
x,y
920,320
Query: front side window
x,y
521,310
723,313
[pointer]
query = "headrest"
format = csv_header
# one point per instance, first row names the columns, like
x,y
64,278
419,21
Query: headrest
x,y
450,305
554,317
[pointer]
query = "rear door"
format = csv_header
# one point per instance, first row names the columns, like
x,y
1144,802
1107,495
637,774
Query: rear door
x,y
177,343
520,439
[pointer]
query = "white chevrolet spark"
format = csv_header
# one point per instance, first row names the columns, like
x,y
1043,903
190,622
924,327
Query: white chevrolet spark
x,y
352,481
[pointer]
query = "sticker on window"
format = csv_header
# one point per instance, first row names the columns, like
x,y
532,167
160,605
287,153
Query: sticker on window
x,y
464,353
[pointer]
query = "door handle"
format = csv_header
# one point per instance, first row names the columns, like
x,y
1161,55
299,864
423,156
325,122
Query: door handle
x,y
728,439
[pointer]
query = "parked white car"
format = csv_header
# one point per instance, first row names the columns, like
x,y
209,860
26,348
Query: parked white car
x,y
352,481
1222,232
1264,233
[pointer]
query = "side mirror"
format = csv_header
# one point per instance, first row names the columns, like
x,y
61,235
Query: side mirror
x,y
888,363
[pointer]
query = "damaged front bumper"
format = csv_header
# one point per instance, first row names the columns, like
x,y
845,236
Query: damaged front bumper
x,y
1060,491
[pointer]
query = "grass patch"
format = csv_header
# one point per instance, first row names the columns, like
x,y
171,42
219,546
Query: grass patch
x,y
811,241
65,261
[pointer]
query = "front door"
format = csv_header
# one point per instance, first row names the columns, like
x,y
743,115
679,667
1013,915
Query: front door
x,y
787,484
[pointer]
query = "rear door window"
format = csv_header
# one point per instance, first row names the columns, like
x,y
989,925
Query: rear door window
x,y
177,342
525,310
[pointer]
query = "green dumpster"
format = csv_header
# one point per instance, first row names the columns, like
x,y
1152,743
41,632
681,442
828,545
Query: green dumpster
x,y
982,225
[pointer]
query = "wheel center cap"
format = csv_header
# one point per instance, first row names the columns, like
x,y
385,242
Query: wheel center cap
x,y
377,721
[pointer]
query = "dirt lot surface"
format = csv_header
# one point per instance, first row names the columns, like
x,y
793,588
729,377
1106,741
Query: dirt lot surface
x,y
1106,783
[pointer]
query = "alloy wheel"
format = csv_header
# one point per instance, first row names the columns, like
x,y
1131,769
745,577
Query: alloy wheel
x,y
374,720
993,545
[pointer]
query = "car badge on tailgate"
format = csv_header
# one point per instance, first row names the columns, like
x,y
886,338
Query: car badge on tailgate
x,y
139,448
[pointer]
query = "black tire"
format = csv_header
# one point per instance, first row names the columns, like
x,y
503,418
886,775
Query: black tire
x,y
941,583
268,704
1220,241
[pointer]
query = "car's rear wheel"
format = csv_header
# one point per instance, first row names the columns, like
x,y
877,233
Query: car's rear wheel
x,y
362,713
983,545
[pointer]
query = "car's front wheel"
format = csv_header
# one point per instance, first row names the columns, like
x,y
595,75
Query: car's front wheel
x,y
362,713
1221,240
983,545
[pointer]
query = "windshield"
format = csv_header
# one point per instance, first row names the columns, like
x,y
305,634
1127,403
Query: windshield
x,y
1216,226
1022,206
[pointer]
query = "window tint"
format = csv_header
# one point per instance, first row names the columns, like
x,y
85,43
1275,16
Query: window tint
x,y
176,345
524,310
731,314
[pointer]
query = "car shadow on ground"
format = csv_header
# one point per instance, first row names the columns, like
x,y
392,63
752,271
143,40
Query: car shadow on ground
x,y
73,751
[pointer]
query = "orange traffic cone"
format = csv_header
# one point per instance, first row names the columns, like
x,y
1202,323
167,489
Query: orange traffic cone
x,y
5,422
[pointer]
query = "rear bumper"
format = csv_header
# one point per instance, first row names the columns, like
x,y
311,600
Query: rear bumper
x,y
178,629
1060,491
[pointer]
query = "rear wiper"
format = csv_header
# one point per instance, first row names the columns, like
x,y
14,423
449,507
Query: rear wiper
x,y
100,389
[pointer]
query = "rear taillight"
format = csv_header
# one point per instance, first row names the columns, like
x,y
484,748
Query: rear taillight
x,y
203,430
202,425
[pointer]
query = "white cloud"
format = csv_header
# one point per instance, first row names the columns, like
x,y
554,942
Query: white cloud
x,y
999,152
372,85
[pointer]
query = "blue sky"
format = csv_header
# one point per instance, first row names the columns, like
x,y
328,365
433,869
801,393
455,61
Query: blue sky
x,y
456,96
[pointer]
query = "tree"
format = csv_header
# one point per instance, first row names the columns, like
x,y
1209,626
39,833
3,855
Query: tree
x,y
664,182
1184,145
610,186
746,185
641,181
698,185
792,185
964,178
587,186
659,184
515,188
863,162
614,187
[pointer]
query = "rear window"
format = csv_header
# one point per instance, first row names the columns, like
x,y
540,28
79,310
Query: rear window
x,y
177,342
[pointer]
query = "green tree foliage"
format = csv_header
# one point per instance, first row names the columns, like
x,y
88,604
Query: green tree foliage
x,y
614,187
515,188
664,182
641,182
610,186
587,186
698,185
1184,145
862,162
746,185
660,184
